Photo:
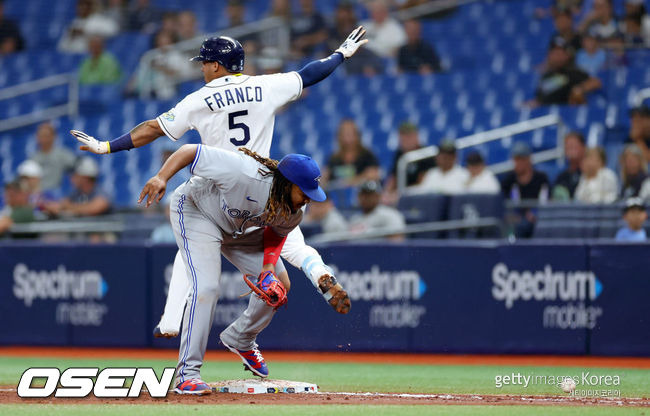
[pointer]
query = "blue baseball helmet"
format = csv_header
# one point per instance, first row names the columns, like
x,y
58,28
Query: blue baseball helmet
x,y
304,172
225,50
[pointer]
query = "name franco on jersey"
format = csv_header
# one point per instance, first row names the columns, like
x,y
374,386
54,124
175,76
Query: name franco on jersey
x,y
241,95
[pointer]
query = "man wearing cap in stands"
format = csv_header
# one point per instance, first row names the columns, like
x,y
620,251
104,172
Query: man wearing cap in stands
x,y
447,177
524,183
409,140
640,130
634,215
481,180
87,199
375,216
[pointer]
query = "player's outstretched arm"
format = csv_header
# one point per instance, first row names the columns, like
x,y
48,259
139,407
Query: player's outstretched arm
x,y
316,71
142,134
155,188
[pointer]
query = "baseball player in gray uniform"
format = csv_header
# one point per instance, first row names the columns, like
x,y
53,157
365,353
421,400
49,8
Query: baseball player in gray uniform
x,y
224,208
230,111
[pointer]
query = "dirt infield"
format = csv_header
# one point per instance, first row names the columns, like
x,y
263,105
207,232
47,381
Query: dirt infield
x,y
340,357
8,393
8,396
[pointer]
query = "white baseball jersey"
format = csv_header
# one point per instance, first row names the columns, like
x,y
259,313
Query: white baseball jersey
x,y
234,111
232,192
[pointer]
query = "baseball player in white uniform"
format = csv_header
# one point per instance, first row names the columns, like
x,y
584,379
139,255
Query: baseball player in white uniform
x,y
230,111
223,209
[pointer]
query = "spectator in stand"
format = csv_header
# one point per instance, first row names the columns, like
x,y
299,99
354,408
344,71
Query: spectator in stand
x,y
143,17
563,83
186,26
101,67
10,38
86,199
117,12
591,58
327,216
598,183
88,23
524,182
409,140
417,55
352,163
447,177
635,10
160,78
634,171
17,209
281,8
632,30
365,62
640,130
30,174
308,30
375,216
385,33
168,23
567,181
236,13
565,33
481,180
600,22
54,160
634,215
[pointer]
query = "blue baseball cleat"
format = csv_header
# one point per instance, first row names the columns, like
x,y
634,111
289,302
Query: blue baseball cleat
x,y
193,386
252,360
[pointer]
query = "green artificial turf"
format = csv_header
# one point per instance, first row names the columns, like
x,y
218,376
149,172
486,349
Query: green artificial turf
x,y
369,377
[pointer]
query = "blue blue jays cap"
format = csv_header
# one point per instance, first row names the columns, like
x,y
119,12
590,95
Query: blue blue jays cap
x,y
304,172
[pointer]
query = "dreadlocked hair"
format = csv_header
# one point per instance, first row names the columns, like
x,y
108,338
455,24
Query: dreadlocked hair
x,y
279,202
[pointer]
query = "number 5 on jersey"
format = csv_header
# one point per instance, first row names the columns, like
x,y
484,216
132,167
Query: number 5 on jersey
x,y
232,126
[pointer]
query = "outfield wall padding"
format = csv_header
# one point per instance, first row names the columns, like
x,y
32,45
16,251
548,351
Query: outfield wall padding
x,y
555,297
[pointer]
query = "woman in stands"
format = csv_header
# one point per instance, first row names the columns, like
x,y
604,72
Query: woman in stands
x,y
353,163
598,184
634,171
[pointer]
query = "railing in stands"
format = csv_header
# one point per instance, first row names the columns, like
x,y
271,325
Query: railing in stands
x,y
489,136
411,229
70,108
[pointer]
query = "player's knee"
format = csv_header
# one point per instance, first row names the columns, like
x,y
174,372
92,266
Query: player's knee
x,y
208,289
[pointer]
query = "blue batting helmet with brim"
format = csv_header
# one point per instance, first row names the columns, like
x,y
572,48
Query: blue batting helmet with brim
x,y
225,50
303,171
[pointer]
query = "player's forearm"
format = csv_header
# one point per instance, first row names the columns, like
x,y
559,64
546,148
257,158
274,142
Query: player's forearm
x,y
317,71
177,161
142,134
145,133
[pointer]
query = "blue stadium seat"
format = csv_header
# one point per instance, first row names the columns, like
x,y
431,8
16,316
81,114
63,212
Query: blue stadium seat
x,y
474,206
421,208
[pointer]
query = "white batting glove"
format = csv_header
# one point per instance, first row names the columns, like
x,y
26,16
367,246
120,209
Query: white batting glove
x,y
353,42
90,144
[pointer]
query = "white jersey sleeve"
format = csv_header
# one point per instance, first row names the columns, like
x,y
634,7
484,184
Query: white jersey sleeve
x,y
177,121
284,88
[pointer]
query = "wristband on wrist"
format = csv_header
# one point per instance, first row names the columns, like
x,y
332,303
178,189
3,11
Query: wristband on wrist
x,y
124,142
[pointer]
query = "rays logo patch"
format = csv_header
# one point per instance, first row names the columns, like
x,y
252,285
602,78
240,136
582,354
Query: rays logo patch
x,y
169,116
